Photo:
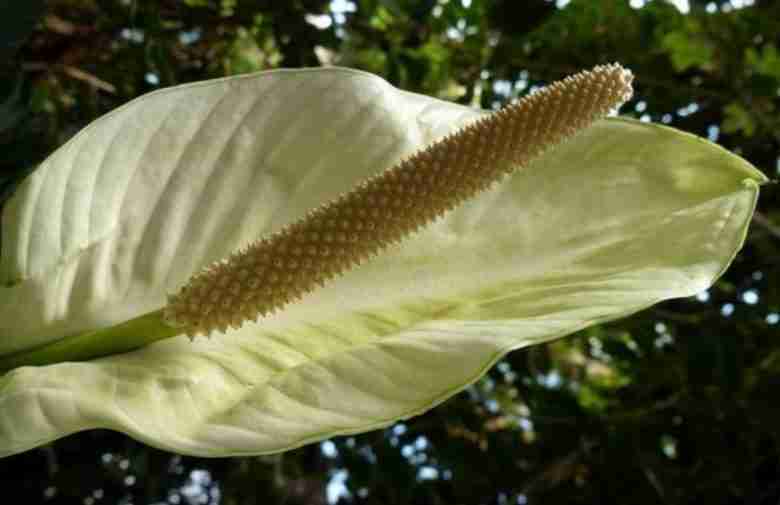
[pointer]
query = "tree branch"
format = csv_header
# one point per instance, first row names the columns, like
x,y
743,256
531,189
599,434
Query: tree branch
x,y
72,72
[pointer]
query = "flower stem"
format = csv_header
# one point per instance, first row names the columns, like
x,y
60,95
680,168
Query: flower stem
x,y
123,337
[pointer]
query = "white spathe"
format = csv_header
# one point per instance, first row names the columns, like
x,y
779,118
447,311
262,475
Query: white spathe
x,y
623,216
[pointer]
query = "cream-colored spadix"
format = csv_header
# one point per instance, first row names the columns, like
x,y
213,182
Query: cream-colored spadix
x,y
385,209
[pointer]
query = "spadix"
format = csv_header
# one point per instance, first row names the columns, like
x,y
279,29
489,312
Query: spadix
x,y
381,211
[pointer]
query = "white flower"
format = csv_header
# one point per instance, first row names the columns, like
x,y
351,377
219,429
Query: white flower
x,y
621,216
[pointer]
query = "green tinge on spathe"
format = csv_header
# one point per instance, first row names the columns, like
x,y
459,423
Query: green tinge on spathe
x,y
625,215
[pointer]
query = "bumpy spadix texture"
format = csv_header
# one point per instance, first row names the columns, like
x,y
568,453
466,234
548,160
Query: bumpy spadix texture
x,y
381,211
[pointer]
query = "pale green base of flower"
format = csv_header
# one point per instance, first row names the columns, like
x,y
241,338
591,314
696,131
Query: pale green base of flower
x,y
123,337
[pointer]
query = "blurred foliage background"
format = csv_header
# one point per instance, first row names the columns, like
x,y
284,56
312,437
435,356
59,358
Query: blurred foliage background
x,y
676,405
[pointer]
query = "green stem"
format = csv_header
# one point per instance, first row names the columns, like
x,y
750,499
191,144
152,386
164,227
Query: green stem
x,y
121,338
